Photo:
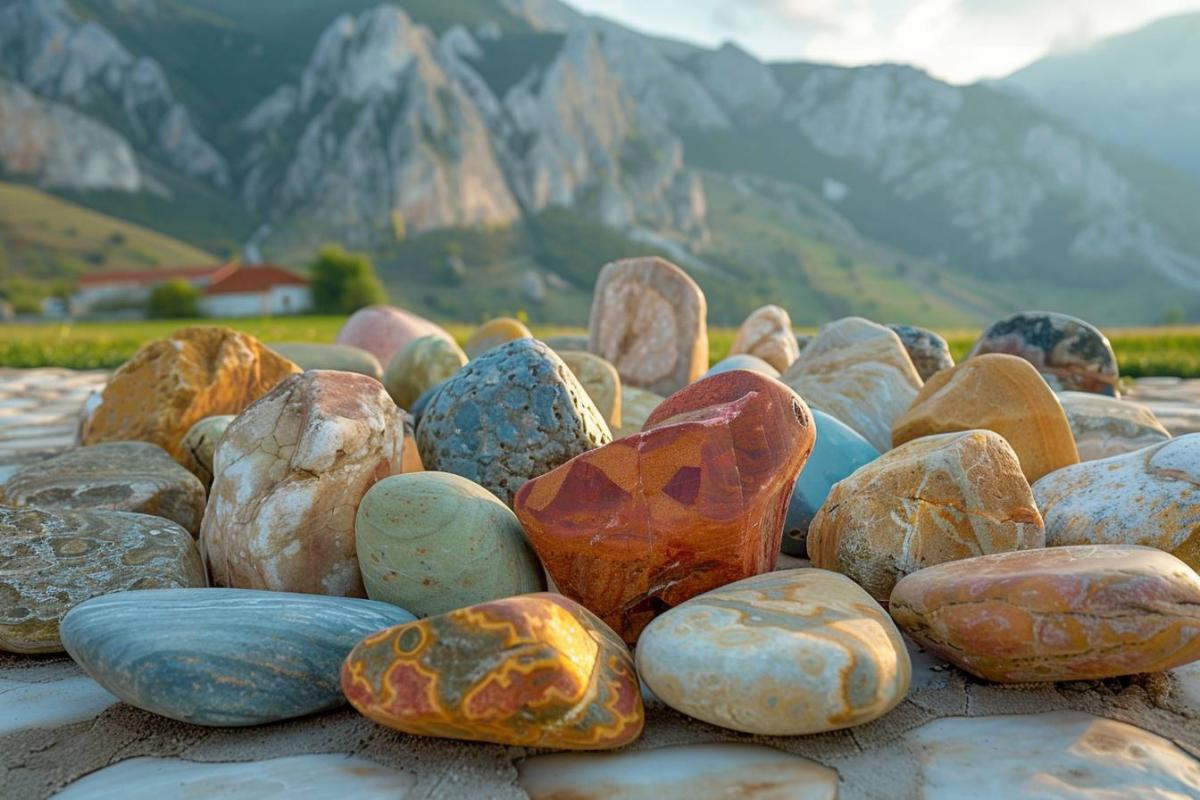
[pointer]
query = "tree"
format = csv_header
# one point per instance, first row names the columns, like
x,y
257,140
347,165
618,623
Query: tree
x,y
344,282
175,299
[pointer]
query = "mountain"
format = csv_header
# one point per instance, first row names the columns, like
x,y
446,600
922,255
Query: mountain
x,y
492,154
1139,89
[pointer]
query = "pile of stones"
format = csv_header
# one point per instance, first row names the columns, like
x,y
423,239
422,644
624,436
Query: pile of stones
x,y
519,541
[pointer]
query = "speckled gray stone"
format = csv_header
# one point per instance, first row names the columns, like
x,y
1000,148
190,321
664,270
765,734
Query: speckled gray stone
x,y
511,414
929,352
113,476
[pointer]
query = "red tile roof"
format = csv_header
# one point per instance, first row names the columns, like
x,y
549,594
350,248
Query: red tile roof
x,y
255,279
148,276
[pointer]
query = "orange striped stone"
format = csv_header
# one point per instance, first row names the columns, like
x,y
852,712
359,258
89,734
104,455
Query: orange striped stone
x,y
536,670
693,502
1058,614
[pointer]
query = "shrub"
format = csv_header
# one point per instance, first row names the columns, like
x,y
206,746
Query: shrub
x,y
175,299
343,282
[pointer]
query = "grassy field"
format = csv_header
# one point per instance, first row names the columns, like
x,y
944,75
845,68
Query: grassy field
x,y
1141,352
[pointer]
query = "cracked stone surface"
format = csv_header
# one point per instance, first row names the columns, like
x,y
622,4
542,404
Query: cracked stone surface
x,y
290,472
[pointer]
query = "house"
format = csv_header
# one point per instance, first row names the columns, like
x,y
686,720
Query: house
x,y
113,291
227,290
260,291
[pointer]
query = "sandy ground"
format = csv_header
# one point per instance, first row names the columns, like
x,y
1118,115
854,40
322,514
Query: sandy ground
x,y
56,727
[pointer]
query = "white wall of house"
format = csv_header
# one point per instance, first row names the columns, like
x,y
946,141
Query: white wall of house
x,y
85,300
275,301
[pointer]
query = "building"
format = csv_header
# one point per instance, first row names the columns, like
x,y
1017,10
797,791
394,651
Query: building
x,y
259,291
103,292
228,290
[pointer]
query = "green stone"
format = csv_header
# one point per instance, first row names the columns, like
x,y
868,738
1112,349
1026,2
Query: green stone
x,y
423,363
340,357
432,542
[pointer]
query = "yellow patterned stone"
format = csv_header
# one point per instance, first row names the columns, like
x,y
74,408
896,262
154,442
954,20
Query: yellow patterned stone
x,y
600,380
494,333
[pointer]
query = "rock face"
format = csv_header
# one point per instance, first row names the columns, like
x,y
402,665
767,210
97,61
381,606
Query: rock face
x,y
648,320
693,502
171,384
767,333
937,499
543,672
200,446
115,476
432,542
1072,351
839,451
224,657
790,653
1149,497
290,472
341,357
512,414
383,331
420,365
1105,426
600,380
1056,614
860,373
494,333
1000,393
1056,755
51,561
742,361
929,352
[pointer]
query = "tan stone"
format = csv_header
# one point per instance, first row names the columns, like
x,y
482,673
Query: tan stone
x,y
1105,426
290,473
1000,393
939,498
649,321
421,364
383,331
858,372
600,380
636,407
1056,614
173,383
1149,497
494,333
767,333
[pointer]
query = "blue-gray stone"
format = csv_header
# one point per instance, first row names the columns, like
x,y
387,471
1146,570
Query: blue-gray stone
x,y
838,452
929,352
224,657
741,361
421,403
509,415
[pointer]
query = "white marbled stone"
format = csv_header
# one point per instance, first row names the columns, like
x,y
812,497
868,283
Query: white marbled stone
x,y
50,704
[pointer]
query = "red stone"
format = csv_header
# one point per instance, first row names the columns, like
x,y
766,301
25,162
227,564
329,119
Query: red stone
x,y
693,502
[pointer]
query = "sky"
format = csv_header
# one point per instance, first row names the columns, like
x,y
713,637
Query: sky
x,y
956,40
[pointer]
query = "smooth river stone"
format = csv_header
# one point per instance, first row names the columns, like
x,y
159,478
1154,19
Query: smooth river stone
x,y
171,384
1105,426
433,542
929,352
290,472
1149,497
567,341
114,476
693,502
50,561
534,671
420,365
860,373
512,414
340,357
839,451
222,657
600,380
742,361
936,499
200,447
311,777
1055,614
1056,755
1073,352
999,393
636,407
767,333
494,333
648,320
679,772
784,654
383,330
